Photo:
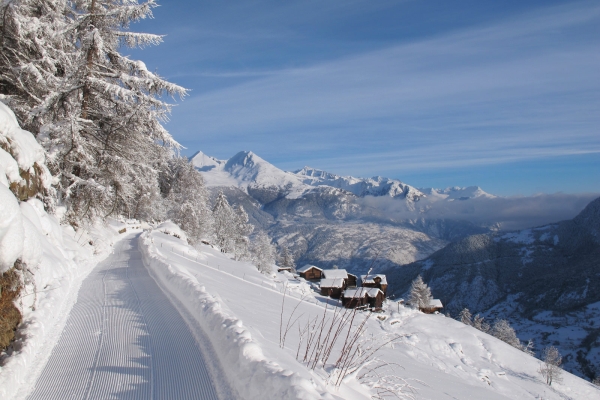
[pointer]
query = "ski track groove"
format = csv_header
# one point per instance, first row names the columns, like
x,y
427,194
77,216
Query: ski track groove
x,y
125,340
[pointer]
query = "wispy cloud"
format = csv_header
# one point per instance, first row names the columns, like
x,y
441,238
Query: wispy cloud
x,y
521,89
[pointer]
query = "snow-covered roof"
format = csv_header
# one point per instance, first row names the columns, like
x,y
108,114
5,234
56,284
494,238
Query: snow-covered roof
x,y
371,278
361,292
435,303
335,273
333,283
306,268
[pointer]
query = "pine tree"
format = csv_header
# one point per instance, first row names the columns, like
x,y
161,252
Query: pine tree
x,y
97,113
551,368
503,331
287,260
479,323
465,317
224,223
242,229
263,253
187,199
420,294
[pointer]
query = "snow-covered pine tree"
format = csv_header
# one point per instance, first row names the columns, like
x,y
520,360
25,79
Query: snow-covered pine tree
x,y
420,294
224,223
287,260
466,317
241,232
36,51
263,252
479,323
503,331
187,199
98,113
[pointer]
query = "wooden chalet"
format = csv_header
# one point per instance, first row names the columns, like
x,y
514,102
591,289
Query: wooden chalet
x,y
378,281
434,305
332,287
281,269
310,272
349,279
362,296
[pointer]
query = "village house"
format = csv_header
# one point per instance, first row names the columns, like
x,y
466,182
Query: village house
x,y
281,269
310,272
332,287
434,305
363,296
349,279
378,281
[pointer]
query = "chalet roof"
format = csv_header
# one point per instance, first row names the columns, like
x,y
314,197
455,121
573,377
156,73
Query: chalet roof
x,y
307,267
435,303
332,283
371,278
361,292
335,273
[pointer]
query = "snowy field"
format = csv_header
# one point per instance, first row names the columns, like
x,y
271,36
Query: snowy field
x,y
430,356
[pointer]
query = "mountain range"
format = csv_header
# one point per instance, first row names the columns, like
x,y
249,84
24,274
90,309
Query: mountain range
x,y
327,220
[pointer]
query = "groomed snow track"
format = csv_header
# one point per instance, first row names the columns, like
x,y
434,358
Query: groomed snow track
x,y
124,339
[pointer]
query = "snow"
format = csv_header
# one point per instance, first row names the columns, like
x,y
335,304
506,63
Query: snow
x,y
335,274
332,283
371,278
307,267
361,292
524,236
12,235
23,146
252,374
59,259
439,357
138,320
435,303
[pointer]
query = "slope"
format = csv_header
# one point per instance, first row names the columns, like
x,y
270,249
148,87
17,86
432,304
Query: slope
x,y
545,280
430,356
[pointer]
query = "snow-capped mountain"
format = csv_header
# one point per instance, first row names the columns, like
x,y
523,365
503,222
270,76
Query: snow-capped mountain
x,y
457,193
376,186
247,170
324,219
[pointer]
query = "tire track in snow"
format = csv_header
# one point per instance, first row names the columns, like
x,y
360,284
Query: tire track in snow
x,y
125,340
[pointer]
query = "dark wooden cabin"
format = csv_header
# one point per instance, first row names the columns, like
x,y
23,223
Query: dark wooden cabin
x,y
378,281
375,298
280,269
434,305
353,298
357,297
332,287
349,279
310,272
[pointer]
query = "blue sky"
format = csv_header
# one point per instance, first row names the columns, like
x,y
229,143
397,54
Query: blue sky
x,y
504,95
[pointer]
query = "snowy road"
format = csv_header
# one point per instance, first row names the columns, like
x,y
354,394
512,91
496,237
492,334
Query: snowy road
x,y
125,340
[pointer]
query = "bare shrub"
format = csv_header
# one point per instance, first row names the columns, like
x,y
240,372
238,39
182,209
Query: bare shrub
x,y
550,368
334,342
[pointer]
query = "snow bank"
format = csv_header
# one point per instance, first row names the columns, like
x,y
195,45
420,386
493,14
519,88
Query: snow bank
x,y
55,259
19,152
250,372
